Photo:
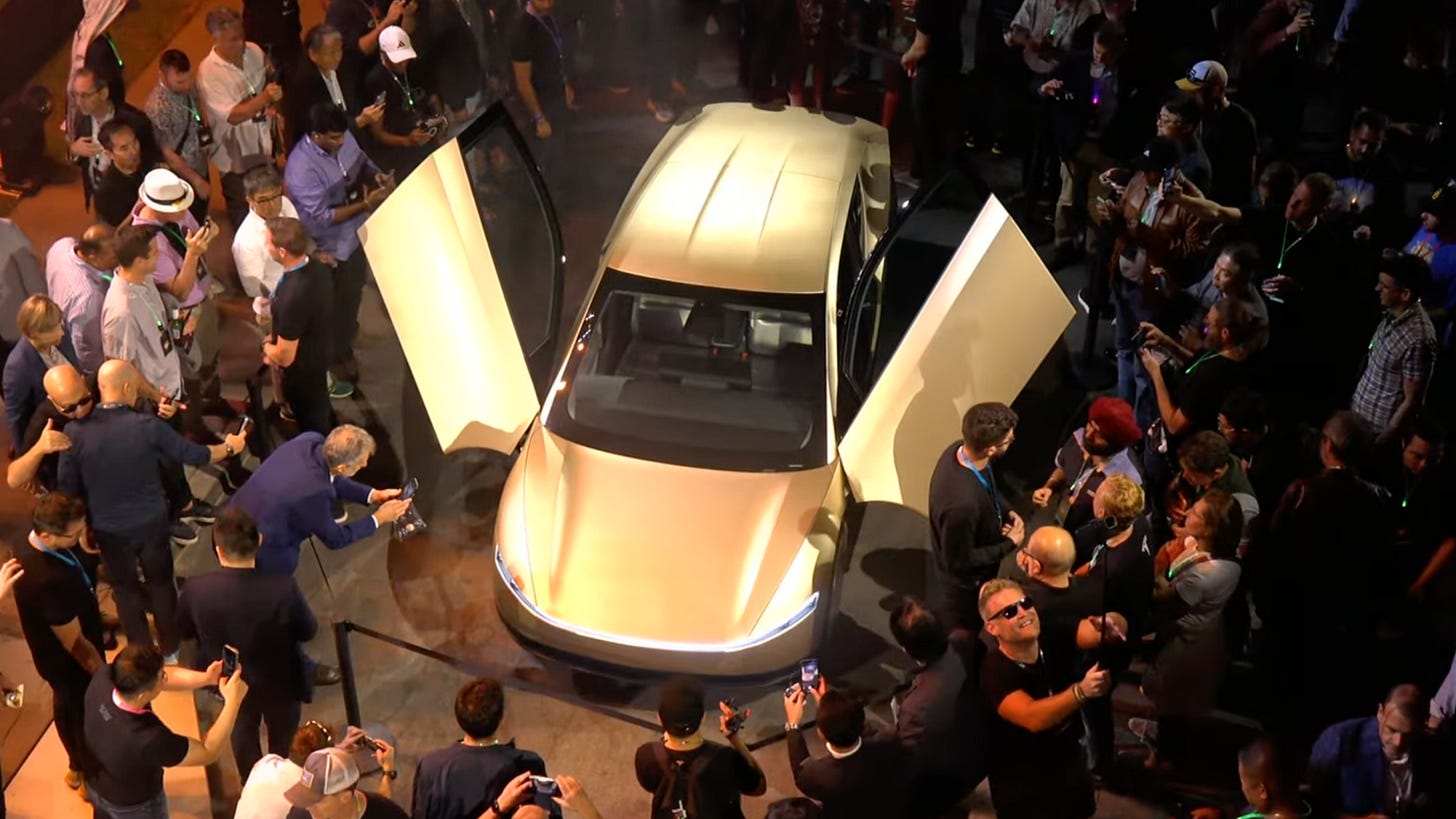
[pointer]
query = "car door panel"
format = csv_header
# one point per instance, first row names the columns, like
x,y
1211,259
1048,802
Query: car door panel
x,y
987,324
460,332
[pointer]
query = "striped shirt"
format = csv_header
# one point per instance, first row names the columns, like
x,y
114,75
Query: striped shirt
x,y
1402,349
80,290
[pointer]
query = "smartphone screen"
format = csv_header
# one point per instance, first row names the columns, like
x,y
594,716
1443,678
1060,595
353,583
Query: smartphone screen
x,y
809,673
229,661
379,100
545,785
408,490
244,425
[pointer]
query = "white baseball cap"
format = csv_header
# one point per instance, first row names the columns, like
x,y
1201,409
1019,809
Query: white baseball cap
x,y
395,43
164,192
325,773
1203,73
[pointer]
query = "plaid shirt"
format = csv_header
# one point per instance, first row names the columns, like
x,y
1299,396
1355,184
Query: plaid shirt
x,y
1402,349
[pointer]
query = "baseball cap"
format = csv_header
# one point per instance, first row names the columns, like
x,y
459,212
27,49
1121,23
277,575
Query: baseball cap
x,y
1160,155
1202,73
325,773
395,43
1442,203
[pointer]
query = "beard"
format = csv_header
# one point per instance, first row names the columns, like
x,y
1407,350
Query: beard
x,y
1100,448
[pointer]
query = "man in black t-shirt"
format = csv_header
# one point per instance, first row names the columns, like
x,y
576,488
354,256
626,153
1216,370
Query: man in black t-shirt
x,y
971,526
116,193
717,775
1228,133
131,745
1037,770
541,64
462,780
933,63
56,599
410,124
302,325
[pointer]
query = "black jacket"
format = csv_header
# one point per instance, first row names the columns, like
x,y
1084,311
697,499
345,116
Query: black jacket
x,y
305,87
263,616
131,115
869,782
1072,109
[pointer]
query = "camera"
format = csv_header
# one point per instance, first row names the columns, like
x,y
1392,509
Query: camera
x,y
740,716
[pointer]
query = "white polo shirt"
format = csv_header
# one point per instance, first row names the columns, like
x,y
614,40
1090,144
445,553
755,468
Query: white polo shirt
x,y
256,270
222,86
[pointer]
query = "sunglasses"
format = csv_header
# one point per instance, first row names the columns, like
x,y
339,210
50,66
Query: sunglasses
x,y
67,409
322,729
1009,613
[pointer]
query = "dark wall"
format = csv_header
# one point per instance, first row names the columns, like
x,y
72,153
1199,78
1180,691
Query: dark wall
x,y
31,31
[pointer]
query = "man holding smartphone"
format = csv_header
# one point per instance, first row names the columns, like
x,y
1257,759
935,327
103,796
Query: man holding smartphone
x,y
258,620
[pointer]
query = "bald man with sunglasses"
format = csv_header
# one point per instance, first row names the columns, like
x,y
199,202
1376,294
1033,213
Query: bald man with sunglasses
x,y
1038,770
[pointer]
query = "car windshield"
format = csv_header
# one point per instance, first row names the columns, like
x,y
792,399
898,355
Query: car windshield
x,y
698,376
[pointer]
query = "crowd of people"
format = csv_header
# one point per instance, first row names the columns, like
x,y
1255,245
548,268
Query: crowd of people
x,y
1265,484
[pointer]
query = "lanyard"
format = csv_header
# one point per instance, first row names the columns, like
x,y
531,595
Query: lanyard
x,y
1410,488
67,558
114,52
1201,359
1285,248
155,317
990,485
192,108
1387,326
404,87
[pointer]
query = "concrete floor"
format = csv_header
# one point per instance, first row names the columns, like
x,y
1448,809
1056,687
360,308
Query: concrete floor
x,y
435,590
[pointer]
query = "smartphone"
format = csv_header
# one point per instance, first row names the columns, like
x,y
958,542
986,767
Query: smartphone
x,y
409,489
1169,177
229,661
1140,337
809,674
245,425
379,100
545,785
740,716
368,742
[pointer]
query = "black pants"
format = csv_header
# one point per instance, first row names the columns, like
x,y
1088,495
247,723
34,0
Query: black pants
x,y
307,394
933,102
234,199
147,547
279,714
349,279
68,707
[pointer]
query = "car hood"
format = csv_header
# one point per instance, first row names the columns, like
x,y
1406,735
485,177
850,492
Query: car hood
x,y
656,551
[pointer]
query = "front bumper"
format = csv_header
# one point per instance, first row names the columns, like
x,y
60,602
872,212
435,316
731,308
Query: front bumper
x,y
767,654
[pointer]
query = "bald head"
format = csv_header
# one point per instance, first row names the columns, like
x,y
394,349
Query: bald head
x,y
117,381
63,382
1052,547
532,812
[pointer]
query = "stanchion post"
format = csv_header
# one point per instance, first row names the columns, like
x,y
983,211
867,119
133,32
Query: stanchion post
x,y
346,672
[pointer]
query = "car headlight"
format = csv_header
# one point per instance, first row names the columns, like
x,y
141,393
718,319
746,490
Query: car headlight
x,y
513,553
795,598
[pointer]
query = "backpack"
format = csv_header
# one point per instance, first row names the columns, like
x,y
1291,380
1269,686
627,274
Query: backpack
x,y
680,793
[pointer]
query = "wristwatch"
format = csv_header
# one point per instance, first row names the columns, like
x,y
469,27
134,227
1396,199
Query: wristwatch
x,y
791,726
228,448
389,773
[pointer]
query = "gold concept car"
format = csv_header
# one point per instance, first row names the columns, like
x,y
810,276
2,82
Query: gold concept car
x,y
769,339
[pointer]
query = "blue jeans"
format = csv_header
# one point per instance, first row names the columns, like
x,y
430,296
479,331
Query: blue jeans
x,y
1134,385
154,808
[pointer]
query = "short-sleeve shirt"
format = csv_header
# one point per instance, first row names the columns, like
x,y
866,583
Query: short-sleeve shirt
x,y
256,269
1441,256
135,327
537,40
1083,479
301,312
224,85
171,242
1231,142
131,749
728,775
1204,589
176,118
1205,383
1039,773
262,796
1402,349
116,194
56,589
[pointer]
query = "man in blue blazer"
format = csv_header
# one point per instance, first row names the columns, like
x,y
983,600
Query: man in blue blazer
x,y
292,496
43,344
1382,765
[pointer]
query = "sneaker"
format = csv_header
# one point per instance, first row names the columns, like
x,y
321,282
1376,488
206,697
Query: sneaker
x,y
286,413
340,513
199,512
661,112
182,534
172,659
340,389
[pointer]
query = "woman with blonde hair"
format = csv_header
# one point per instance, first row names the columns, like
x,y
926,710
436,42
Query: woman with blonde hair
x,y
43,344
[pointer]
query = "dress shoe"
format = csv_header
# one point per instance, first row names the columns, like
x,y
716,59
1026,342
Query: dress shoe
x,y
326,674
199,513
